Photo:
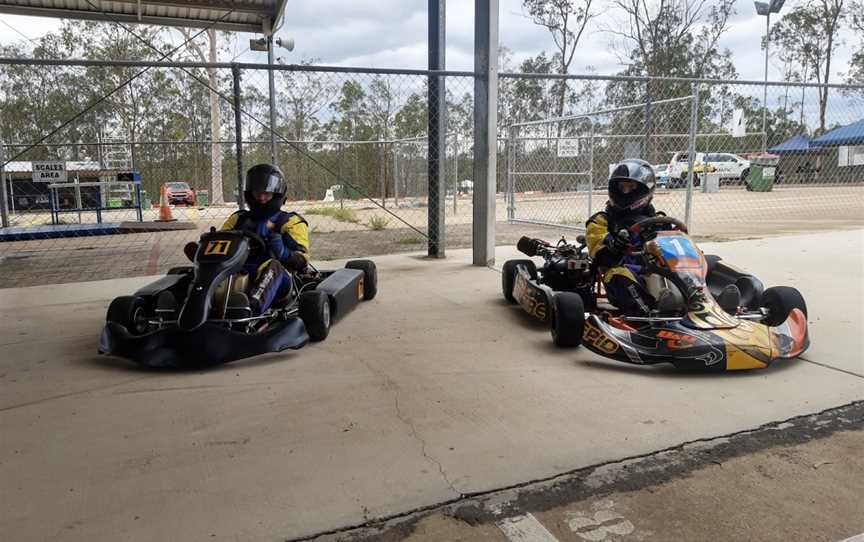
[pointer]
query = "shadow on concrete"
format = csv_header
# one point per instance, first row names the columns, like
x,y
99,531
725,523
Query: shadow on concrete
x,y
667,370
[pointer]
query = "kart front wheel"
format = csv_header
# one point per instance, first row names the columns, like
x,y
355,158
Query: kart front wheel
x,y
780,301
315,313
130,312
568,319
508,276
370,277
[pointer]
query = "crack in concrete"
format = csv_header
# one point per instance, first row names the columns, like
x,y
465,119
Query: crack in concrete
x,y
802,422
391,386
825,365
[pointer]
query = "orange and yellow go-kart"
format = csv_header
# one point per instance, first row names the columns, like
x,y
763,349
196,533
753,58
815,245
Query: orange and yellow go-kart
x,y
695,333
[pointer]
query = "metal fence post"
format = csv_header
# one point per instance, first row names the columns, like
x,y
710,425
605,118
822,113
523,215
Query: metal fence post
x,y
691,155
238,133
4,205
395,173
455,171
510,153
437,131
382,167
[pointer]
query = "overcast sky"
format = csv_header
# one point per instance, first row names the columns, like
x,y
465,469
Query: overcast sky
x,y
392,33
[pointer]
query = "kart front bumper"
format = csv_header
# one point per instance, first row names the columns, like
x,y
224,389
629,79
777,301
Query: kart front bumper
x,y
749,345
205,346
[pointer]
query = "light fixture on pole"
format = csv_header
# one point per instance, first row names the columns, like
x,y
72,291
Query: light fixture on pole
x,y
266,44
766,9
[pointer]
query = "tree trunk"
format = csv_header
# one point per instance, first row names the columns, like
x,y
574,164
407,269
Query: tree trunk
x,y
216,195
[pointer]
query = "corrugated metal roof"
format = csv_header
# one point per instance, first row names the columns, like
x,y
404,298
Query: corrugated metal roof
x,y
851,134
239,15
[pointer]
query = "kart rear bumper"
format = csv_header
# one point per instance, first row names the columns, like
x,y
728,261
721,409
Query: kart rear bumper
x,y
205,346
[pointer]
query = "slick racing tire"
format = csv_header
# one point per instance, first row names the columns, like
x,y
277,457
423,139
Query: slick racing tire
x,y
568,319
130,312
370,277
315,313
780,300
508,276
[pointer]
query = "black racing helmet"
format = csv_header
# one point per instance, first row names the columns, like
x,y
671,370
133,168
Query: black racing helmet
x,y
638,171
265,178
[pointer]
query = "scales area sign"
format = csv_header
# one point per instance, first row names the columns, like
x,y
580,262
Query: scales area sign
x,y
49,172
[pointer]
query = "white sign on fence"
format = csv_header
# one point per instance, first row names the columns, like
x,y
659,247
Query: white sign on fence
x,y
738,128
568,148
49,172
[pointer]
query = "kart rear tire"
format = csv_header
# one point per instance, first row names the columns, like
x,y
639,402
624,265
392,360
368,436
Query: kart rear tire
x,y
508,276
568,319
370,277
315,313
780,300
130,312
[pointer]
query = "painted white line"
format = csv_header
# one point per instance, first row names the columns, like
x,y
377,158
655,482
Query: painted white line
x,y
856,538
525,529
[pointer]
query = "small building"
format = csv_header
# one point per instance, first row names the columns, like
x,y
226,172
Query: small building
x,y
23,194
843,154
800,162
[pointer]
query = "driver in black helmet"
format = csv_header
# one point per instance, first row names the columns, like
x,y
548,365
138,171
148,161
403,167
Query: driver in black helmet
x,y
631,188
285,233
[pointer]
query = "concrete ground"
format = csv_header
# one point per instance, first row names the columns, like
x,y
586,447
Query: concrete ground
x,y
433,393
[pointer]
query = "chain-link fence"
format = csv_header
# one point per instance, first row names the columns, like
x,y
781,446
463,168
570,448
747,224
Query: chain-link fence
x,y
718,167
352,144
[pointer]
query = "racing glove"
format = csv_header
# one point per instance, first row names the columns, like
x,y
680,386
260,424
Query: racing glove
x,y
617,242
292,260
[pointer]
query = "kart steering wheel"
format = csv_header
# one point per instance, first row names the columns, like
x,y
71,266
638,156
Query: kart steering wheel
x,y
648,227
256,242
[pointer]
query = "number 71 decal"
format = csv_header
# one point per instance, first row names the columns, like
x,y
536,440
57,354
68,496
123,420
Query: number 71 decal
x,y
217,248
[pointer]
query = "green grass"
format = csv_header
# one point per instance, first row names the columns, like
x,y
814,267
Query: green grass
x,y
410,241
340,214
377,223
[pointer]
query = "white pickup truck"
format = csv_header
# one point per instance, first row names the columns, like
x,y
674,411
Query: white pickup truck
x,y
730,167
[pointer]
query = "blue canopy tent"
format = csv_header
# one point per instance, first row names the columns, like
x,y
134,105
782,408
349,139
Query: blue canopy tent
x,y
799,144
851,134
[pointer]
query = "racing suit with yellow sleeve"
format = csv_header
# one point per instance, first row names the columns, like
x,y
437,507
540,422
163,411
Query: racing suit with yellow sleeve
x,y
287,237
621,273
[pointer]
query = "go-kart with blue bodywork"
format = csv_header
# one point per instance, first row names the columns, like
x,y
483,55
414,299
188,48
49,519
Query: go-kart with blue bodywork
x,y
702,329
200,315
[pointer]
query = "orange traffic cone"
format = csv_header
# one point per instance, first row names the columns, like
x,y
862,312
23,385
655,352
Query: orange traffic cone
x,y
164,206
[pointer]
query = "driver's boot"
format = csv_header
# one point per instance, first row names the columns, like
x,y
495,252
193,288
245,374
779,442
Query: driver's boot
x,y
271,278
666,303
730,299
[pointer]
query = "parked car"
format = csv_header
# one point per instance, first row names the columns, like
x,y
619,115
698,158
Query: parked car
x,y
679,168
730,166
661,171
180,192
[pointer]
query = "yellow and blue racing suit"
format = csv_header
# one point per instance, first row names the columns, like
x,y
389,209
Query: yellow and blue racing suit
x,y
288,244
621,273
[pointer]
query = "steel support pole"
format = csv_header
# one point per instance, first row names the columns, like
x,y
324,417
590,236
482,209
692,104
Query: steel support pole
x,y
272,83
765,93
238,133
395,174
485,129
436,163
691,154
